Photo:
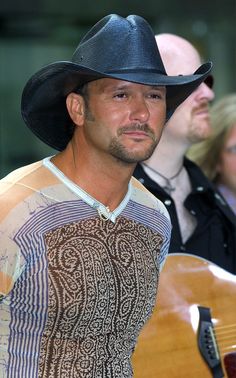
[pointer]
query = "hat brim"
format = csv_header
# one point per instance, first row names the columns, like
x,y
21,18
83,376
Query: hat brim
x,y
43,104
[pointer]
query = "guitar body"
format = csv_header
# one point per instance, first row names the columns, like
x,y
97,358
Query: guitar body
x,y
168,344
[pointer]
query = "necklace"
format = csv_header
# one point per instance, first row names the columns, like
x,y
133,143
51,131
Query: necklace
x,y
168,186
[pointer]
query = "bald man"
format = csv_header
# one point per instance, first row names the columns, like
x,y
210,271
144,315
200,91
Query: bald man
x,y
203,224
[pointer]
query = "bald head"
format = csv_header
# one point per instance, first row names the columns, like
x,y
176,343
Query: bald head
x,y
190,123
179,56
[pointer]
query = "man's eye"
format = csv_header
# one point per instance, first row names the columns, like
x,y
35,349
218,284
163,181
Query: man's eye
x,y
231,149
155,96
120,95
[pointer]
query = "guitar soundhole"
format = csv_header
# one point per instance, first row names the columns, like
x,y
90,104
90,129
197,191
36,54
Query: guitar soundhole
x,y
230,364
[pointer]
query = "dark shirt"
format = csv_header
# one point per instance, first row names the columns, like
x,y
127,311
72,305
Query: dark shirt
x,y
214,237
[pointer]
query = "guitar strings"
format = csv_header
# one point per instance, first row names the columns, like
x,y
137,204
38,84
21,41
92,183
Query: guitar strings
x,y
226,337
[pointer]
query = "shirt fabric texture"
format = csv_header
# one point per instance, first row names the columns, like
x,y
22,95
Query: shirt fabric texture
x,y
76,288
214,238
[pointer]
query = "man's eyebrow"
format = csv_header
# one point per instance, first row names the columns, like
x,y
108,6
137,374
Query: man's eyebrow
x,y
126,86
157,87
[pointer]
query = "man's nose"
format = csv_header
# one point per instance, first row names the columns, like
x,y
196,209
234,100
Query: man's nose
x,y
139,111
206,92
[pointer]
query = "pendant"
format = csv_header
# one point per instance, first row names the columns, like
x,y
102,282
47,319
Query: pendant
x,y
168,187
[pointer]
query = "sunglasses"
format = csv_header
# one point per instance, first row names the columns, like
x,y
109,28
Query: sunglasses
x,y
209,81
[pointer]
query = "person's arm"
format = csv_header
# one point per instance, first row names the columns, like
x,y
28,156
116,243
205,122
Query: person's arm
x,y
11,263
166,242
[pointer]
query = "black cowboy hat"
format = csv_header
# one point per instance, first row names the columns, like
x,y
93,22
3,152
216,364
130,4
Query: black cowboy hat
x,y
115,47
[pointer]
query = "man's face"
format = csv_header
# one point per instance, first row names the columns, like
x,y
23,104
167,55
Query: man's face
x,y
190,122
124,119
227,163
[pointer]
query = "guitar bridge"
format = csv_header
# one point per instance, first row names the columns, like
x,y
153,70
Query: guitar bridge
x,y
207,343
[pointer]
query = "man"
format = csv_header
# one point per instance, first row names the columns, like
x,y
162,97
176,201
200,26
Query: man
x,y
82,243
202,222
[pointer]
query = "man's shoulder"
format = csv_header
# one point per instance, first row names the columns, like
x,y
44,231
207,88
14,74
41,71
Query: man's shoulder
x,y
21,183
22,178
143,196
199,180
202,185
19,174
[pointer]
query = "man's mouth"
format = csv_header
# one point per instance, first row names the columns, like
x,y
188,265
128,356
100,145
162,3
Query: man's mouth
x,y
137,131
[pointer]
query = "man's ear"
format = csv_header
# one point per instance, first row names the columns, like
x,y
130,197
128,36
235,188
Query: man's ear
x,y
76,108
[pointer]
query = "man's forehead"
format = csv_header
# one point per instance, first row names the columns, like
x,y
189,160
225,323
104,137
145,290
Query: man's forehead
x,y
112,84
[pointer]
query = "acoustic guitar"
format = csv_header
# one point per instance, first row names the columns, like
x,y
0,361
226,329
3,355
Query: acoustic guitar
x,y
192,332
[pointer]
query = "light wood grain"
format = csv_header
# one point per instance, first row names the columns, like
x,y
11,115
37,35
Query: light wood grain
x,y
167,346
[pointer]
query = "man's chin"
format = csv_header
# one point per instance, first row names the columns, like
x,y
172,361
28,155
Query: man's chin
x,y
132,158
201,135
132,155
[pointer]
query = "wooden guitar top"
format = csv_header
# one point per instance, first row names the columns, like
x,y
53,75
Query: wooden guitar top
x,y
167,346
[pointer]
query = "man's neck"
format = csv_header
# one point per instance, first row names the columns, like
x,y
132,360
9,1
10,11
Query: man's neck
x,y
167,158
105,181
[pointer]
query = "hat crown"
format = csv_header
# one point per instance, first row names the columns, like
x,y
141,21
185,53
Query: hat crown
x,y
115,47
116,44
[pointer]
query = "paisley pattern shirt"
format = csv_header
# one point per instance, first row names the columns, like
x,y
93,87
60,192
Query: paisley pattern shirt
x,y
77,284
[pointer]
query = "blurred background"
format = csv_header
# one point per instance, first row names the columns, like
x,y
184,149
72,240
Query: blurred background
x,y
34,33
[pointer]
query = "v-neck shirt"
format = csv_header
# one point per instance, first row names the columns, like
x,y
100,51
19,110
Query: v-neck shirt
x,y
76,285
